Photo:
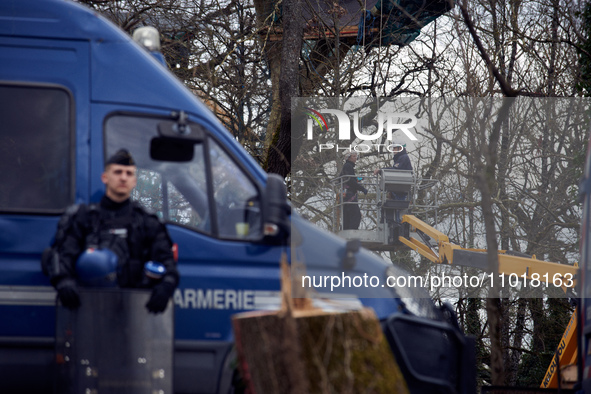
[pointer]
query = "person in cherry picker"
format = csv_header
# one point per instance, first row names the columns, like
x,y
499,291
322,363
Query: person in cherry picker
x,y
401,161
351,185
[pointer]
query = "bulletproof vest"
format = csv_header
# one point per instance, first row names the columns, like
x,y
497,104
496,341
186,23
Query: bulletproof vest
x,y
120,232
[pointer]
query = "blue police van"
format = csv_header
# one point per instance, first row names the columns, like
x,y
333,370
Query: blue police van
x,y
74,89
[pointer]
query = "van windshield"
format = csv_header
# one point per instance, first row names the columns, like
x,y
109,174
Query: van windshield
x,y
209,193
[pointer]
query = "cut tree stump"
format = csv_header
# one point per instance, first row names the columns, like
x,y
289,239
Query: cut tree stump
x,y
314,351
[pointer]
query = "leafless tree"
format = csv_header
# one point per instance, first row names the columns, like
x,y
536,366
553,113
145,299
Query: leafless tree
x,y
246,60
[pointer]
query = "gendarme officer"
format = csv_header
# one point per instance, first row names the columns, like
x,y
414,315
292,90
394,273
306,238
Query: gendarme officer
x,y
122,228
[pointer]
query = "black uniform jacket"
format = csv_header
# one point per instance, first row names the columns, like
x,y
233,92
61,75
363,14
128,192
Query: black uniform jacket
x,y
128,230
351,184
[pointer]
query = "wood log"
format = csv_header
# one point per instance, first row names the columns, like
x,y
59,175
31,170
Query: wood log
x,y
301,349
313,351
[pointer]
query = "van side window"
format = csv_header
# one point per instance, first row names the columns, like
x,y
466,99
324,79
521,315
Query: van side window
x,y
236,198
157,192
205,191
175,191
35,148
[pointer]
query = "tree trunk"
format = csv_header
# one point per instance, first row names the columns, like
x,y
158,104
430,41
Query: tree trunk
x,y
279,152
314,351
486,181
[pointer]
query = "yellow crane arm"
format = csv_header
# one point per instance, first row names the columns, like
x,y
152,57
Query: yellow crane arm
x,y
440,250
566,353
561,275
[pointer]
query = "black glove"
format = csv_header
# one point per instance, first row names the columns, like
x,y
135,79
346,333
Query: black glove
x,y
67,291
161,293
364,190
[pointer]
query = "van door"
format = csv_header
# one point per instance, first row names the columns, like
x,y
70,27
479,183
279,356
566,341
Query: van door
x,y
212,208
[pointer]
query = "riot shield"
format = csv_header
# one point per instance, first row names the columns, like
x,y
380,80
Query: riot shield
x,y
112,344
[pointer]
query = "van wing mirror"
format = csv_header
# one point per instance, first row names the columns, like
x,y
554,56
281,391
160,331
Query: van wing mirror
x,y
276,209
